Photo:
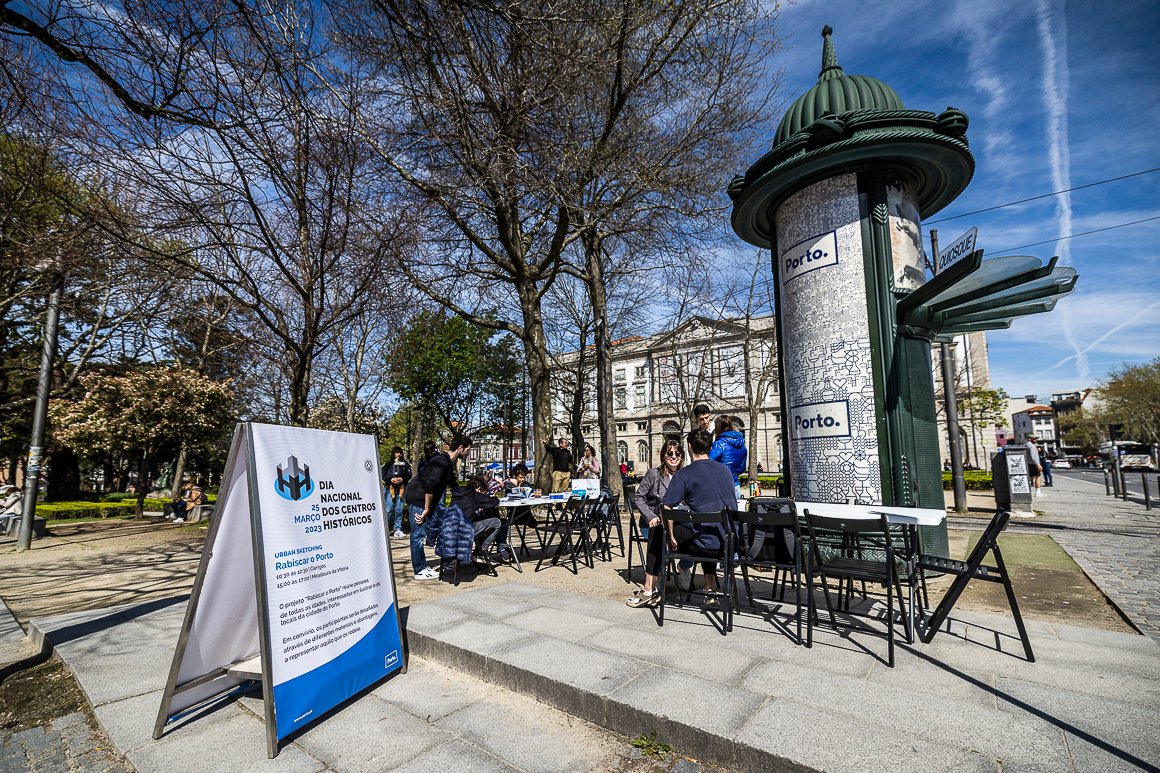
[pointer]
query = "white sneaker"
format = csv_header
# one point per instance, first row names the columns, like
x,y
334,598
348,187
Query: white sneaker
x,y
398,534
179,520
684,577
427,574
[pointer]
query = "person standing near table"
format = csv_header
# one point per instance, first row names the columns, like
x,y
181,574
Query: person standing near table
x,y
561,465
1047,463
397,474
729,449
589,464
704,486
424,494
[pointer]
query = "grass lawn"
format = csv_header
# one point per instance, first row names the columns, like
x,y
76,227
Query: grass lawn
x,y
1048,584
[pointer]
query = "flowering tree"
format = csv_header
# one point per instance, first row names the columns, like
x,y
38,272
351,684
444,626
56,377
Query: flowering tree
x,y
137,414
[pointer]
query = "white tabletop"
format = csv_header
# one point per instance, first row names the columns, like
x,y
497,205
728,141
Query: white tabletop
x,y
531,502
920,516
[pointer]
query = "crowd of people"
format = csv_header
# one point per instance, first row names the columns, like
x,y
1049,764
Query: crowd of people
x,y
469,526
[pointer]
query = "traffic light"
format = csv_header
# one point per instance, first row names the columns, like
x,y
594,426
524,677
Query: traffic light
x,y
1115,432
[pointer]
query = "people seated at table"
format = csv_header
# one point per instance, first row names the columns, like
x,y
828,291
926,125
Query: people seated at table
x,y
520,516
481,509
704,486
651,491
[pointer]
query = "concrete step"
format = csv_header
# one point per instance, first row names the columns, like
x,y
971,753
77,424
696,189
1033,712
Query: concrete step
x,y
755,701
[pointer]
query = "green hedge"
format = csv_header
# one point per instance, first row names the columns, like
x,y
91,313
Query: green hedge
x,y
977,480
121,509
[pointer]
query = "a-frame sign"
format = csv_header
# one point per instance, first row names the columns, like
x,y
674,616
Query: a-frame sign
x,y
295,588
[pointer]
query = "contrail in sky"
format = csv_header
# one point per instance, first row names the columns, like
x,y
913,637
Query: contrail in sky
x,y
1130,320
1049,16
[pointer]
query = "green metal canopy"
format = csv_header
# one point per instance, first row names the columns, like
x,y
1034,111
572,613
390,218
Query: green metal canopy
x,y
977,294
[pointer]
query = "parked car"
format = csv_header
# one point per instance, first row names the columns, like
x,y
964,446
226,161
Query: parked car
x,y
1060,464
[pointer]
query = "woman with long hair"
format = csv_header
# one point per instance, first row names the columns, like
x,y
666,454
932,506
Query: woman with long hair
x,y
589,464
651,489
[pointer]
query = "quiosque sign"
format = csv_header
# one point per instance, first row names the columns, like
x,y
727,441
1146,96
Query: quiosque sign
x,y
322,618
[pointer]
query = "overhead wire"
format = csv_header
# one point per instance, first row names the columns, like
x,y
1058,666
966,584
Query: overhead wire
x,y
1072,236
1044,196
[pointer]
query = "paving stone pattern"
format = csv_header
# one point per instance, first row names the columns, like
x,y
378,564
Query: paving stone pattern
x,y
68,744
1115,542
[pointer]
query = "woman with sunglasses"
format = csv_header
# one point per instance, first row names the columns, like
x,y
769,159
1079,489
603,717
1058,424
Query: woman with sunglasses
x,y
651,489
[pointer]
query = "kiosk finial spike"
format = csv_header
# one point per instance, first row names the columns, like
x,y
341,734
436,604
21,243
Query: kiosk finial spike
x,y
830,66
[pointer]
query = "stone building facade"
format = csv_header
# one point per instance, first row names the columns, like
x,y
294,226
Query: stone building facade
x,y
657,379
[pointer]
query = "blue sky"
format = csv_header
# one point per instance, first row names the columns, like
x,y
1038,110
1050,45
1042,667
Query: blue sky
x,y
1059,95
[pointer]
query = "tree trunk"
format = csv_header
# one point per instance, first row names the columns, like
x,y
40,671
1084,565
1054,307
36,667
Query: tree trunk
x,y
606,417
539,382
64,476
178,473
300,386
579,395
142,475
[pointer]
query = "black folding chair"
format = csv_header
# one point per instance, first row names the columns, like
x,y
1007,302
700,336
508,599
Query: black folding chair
x,y
574,527
636,537
866,554
974,569
724,592
769,538
606,519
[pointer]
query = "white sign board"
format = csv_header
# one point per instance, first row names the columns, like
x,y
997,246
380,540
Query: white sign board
x,y
957,250
296,570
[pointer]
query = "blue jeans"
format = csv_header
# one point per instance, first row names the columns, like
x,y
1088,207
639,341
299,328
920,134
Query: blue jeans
x,y
395,507
418,537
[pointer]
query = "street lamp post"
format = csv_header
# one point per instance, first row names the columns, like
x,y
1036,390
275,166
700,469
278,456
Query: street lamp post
x,y
40,412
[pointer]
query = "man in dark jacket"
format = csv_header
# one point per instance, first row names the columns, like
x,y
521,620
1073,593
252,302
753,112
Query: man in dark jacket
x,y
561,465
425,493
396,475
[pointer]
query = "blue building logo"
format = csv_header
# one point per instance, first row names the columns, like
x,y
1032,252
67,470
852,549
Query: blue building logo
x,y
293,482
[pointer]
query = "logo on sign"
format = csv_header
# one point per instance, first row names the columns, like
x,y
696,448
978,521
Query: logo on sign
x,y
293,482
815,420
809,255
391,659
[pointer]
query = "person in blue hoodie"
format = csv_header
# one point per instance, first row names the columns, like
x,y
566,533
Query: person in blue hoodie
x,y
729,448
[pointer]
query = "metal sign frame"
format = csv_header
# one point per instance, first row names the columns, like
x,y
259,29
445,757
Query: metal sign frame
x,y
242,445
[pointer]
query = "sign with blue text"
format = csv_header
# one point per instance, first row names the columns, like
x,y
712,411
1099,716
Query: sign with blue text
x,y
299,519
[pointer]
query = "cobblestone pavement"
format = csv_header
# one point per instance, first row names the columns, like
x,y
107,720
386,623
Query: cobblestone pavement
x,y
1116,543
68,744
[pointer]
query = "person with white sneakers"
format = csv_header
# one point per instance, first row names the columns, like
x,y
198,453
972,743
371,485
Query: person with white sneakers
x,y
424,495
397,474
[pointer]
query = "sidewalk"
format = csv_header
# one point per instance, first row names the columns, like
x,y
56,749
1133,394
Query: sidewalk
x,y
522,677
1116,543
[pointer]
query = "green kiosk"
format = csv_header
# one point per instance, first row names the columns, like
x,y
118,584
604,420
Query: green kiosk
x,y
839,200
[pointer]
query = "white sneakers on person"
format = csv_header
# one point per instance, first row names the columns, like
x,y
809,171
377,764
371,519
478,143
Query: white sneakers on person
x,y
398,534
427,574
179,520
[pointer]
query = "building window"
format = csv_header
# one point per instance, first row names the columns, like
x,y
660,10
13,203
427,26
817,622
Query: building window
x,y
638,372
671,430
642,452
641,426
622,451
618,375
638,400
620,398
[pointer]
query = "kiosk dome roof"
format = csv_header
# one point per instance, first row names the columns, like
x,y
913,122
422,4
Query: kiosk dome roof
x,y
836,93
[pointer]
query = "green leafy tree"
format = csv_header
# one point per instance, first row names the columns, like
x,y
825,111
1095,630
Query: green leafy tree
x,y
1131,397
1083,428
141,413
443,364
